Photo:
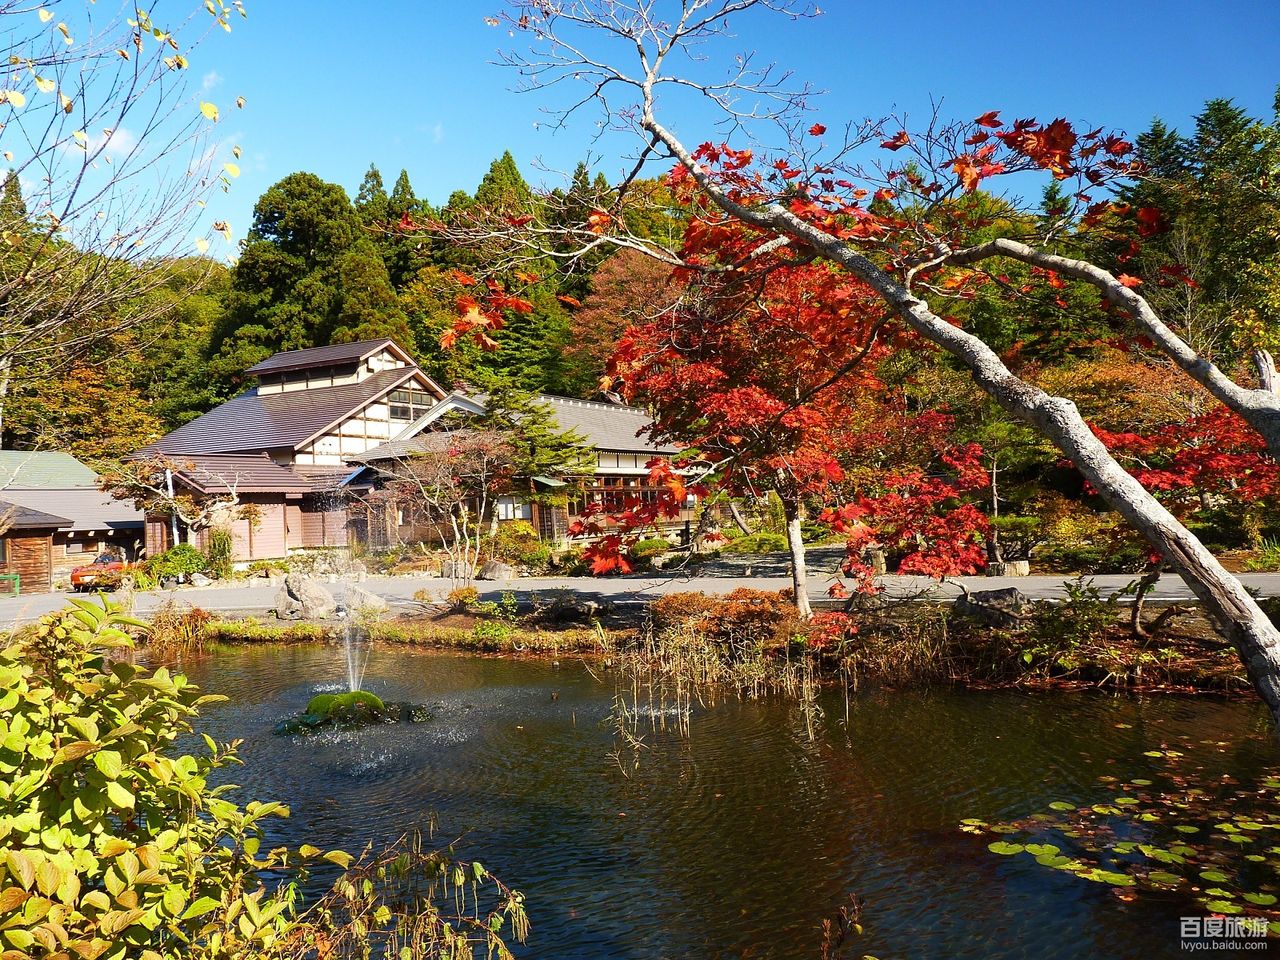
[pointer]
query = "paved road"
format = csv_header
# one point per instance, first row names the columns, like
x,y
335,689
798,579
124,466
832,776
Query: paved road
x,y
759,574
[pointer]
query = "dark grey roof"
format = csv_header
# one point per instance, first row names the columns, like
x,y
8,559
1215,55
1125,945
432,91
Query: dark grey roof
x,y
87,508
606,426
244,473
29,469
24,518
433,441
338,354
275,421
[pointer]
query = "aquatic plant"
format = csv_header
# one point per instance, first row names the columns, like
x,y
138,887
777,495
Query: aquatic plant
x,y
1184,830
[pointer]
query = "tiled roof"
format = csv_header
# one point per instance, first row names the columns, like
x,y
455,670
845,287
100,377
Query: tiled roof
x,y
331,356
87,508
606,426
24,518
31,469
273,421
430,442
245,473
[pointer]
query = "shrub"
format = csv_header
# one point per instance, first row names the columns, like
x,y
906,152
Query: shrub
x,y
113,843
177,629
743,622
221,547
757,543
649,548
463,599
1268,557
183,559
517,543
116,847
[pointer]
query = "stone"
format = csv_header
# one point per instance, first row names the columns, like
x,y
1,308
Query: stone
x,y
1010,568
497,570
1003,609
200,580
359,601
312,599
452,570
567,608
287,608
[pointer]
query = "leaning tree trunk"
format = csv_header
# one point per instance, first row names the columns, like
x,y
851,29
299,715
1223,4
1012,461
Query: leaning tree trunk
x,y
795,547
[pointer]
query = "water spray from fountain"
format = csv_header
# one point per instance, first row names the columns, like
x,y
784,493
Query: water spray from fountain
x,y
355,649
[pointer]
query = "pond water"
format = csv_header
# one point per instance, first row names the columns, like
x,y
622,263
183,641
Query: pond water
x,y
739,839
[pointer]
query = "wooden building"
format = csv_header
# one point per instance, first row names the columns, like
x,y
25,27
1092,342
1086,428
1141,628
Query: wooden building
x,y
616,433
26,548
57,483
282,447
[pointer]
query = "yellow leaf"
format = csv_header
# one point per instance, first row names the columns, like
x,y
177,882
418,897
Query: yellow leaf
x,y
67,103
240,102
223,228
209,110
202,245
66,34
45,16
232,169
123,53
235,152
45,85
16,97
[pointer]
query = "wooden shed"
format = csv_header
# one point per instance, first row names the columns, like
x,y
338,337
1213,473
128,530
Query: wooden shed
x,y
26,548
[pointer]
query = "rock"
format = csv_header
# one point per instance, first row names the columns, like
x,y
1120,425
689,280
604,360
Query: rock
x,y
359,601
1010,568
302,597
200,580
456,571
287,608
996,608
497,570
567,608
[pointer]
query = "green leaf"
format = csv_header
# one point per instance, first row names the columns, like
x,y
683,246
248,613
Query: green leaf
x,y
1061,805
340,857
1260,899
1214,876
119,796
109,762
200,908
1005,849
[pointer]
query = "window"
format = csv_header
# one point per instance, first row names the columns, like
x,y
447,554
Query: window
x,y
509,508
79,546
410,404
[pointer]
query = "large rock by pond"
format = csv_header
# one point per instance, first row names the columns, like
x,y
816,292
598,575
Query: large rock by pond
x,y
303,598
1003,609
357,601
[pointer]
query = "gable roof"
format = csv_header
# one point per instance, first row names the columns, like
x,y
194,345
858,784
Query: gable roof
x,y
245,473
331,356
27,469
274,421
607,427
87,508
24,518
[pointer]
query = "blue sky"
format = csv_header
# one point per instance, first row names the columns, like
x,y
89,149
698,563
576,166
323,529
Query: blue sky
x,y
330,86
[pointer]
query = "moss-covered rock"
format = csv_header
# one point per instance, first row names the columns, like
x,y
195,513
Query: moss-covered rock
x,y
346,710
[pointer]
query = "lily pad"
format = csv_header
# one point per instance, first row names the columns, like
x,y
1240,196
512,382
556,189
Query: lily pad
x,y
1005,849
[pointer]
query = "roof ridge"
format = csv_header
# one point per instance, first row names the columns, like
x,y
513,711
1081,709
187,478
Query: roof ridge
x,y
591,403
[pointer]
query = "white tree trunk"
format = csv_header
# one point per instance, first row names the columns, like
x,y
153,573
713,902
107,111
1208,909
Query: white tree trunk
x,y
799,568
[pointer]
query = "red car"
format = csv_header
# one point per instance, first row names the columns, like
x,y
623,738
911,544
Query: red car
x,y
106,567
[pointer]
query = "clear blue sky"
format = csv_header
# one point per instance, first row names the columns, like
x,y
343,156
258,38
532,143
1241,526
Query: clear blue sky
x,y
331,86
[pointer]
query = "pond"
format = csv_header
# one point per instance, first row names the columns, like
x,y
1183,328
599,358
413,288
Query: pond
x,y
738,840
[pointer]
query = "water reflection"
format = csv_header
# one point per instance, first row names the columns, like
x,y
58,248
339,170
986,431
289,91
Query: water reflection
x,y
739,840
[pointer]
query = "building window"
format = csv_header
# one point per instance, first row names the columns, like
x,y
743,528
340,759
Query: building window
x,y
509,508
4,550
410,404
79,546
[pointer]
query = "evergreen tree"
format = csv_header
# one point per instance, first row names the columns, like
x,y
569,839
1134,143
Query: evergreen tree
x,y
309,275
503,190
372,200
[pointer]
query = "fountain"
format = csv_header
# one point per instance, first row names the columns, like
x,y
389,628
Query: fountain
x,y
355,707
